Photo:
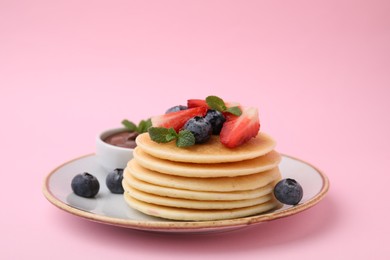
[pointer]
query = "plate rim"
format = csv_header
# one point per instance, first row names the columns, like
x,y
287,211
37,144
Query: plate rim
x,y
184,225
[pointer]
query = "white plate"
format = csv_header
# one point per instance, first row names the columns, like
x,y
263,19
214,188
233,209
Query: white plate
x,y
111,208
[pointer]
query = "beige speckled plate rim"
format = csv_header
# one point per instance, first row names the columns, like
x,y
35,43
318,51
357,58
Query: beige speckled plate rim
x,y
183,226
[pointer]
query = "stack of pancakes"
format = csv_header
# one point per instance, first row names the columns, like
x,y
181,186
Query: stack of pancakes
x,y
202,182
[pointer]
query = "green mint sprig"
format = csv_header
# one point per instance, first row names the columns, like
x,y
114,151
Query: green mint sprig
x,y
165,135
218,104
142,127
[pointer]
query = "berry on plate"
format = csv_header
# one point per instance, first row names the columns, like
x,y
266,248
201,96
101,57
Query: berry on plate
x,y
239,130
85,185
177,119
114,181
288,191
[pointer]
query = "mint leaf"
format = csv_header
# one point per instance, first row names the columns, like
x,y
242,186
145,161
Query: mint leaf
x,y
144,125
165,135
216,103
159,134
234,110
171,135
185,138
129,125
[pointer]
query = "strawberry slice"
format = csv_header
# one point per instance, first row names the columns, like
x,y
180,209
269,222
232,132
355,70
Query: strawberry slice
x,y
240,130
196,103
202,103
178,119
229,117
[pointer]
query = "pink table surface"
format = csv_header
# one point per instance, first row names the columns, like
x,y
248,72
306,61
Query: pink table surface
x,y
319,72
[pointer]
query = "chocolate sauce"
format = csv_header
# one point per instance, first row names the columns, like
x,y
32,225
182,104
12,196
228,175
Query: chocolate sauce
x,y
122,139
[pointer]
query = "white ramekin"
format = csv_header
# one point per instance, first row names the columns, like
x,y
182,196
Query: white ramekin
x,y
111,156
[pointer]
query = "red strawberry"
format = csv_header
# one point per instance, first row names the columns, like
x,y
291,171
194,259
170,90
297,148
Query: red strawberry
x,y
229,117
178,119
238,131
196,103
202,103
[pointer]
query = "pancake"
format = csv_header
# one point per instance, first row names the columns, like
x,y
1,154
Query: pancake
x,y
211,152
197,214
194,204
200,170
220,184
194,195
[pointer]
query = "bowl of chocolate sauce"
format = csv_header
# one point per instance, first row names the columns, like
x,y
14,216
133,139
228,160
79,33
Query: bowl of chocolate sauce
x,y
114,148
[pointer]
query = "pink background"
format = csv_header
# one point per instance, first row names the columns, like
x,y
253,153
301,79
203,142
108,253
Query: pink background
x,y
319,71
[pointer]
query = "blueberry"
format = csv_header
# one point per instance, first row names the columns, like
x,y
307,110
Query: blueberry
x,y
200,128
175,109
85,185
114,181
288,191
216,120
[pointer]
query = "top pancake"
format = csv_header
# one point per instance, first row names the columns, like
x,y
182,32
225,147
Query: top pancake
x,y
211,152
